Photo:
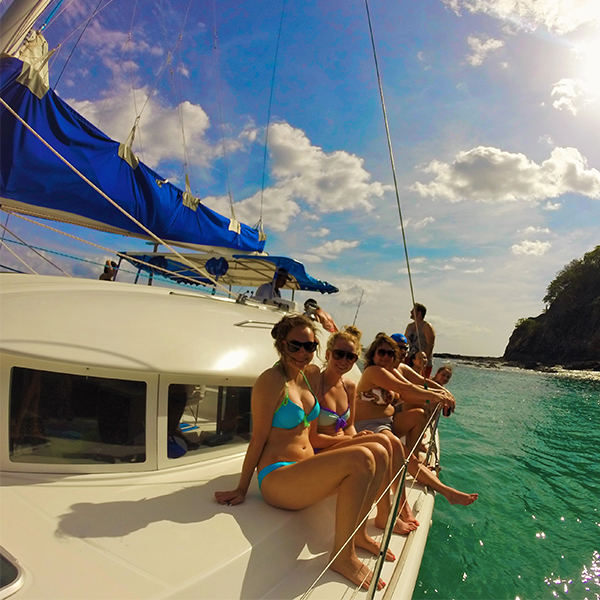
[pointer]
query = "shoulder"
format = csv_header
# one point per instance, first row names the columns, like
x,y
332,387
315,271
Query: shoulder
x,y
428,327
270,379
350,386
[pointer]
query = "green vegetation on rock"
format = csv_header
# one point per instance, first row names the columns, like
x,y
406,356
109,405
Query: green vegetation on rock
x,y
568,332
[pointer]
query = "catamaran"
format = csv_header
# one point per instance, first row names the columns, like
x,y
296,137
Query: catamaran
x,y
123,408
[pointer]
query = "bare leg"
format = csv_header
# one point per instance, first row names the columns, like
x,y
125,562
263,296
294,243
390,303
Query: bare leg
x,y
410,423
426,477
355,473
406,521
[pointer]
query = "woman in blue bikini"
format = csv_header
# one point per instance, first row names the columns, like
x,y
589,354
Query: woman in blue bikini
x,y
335,430
290,475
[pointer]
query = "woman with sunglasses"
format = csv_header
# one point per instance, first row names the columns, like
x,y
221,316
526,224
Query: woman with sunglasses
x,y
380,387
290,475
335,430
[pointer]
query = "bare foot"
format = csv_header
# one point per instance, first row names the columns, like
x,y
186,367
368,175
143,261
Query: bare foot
x,y
401,527
355,571
456,497
407,514
362,540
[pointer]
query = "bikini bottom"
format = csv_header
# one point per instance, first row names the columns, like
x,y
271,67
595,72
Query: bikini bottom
x,y
375,425
272,467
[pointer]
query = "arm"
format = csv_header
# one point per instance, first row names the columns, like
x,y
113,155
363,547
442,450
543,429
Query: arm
x,y
379,377
264,403
412,376
351,388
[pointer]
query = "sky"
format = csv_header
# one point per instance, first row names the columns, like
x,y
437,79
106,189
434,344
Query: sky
x,y
493,109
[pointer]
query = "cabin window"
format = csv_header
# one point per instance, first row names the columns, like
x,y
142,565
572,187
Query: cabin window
x,y
11,575
201,417
66,418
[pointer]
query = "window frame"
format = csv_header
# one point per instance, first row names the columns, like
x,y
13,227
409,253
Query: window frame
x,y
7,362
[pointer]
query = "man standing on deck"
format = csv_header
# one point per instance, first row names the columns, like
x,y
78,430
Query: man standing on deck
x,y
421,336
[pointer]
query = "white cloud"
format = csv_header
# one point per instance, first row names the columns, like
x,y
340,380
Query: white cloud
x,y
550,206
529,230
480,48
479,270
418,260
331,250
536,248
328,182
491,175
462,259
352,288
321,232
159,135
418,224
445,267
278,210
546,139
559,16
570,95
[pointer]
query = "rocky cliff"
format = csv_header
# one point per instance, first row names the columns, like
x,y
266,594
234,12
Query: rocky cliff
x,y
568,332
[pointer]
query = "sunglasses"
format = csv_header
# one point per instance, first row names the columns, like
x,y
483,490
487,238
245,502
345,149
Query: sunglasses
x,y
294,346
339,354
403,347
382,352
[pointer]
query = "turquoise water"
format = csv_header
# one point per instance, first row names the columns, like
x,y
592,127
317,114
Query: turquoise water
x,y
529,443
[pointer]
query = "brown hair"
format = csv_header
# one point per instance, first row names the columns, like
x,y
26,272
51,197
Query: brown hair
x,y
348,332
380,338
280,330
420,308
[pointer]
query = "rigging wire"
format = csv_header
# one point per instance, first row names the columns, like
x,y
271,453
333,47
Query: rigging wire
x,y
6,230
49,18
220,105
391,152
259,225
4,244
119,254
125,47
111,201
77,43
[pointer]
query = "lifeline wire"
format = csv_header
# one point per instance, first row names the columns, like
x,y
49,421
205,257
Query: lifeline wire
x,y
398,493
106,197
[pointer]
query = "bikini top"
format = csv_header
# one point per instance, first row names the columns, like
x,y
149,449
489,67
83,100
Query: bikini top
x,y
289,415
330,417
377,396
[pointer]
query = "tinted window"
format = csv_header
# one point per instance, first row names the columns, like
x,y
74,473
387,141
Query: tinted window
x,y
203,416
65,418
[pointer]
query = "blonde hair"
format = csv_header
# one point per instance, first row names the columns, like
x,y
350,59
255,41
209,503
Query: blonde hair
x,y
348,332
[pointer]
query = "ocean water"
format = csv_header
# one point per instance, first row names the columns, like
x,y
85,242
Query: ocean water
x,y
529,443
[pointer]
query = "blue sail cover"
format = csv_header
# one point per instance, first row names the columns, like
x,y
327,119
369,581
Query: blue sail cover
x,y
32,175
240,269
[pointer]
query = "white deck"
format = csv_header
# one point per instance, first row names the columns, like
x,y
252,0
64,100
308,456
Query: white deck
x,y
157,533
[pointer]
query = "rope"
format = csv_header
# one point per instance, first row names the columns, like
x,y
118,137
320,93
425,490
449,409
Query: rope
x,y
5,229
47,21
106,197
111,251
391,152
259,225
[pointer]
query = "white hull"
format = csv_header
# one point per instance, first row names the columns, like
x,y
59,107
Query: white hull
x,y
153,529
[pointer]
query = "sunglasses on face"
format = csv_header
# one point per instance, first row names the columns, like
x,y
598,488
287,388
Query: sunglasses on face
x,y
295,345
405,348
382,352
339,354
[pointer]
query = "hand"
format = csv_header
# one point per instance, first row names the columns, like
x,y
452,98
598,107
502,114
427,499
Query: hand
x,y
230,498
364,432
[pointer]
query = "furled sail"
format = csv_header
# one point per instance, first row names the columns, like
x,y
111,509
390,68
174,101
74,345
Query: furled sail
x,y
35,181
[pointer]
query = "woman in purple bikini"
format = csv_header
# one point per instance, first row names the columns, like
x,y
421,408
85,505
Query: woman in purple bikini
x,y
335,430
290,475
